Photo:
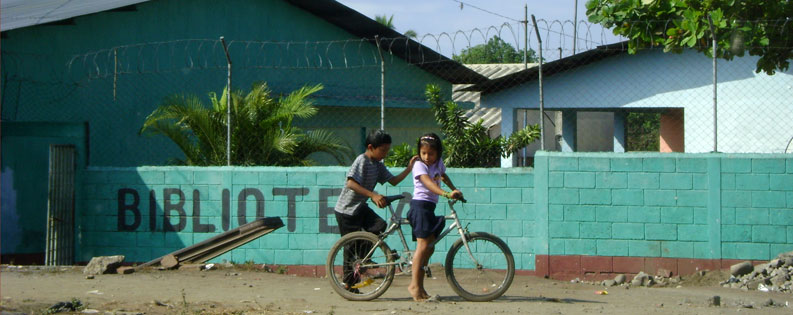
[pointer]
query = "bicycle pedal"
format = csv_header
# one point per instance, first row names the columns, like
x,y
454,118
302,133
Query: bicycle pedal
x,y
394,254
362,284
427,271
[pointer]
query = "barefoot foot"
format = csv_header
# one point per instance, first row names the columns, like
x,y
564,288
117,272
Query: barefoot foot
x,y
416,293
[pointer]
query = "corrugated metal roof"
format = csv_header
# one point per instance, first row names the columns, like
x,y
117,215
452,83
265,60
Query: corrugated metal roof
x,y
497,70
490,116
22,13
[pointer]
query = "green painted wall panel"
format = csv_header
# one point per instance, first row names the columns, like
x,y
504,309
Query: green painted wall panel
x,y
644,214
612,248
626,164
595,196
594,164
691,165
760,165
612,214
677,249
559,221
644,248
675,181
563,164
611,180
677,215
580,247
736,165
579,213
659,165
595,230
643,180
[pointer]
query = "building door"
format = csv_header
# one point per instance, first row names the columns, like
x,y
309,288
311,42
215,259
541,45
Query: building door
x,y
60,206
26,184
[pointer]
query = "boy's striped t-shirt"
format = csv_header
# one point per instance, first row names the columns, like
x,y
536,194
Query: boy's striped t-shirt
x,y
367,173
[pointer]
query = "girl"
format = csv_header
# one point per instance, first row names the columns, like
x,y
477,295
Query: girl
x,y
426,225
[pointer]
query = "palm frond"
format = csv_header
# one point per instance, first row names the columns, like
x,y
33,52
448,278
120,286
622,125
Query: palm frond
x,y
321,140
298,103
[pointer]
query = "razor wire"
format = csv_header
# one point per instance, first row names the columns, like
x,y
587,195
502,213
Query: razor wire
x,y
599,99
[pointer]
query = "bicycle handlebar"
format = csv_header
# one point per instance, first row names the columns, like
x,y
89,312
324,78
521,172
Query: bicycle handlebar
x,y
452,201
392,198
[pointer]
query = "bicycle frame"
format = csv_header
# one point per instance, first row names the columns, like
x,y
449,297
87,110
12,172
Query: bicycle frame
x,y
396,224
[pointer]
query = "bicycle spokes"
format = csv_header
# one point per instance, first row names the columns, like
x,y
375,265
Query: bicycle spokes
x,y
358,269
483,270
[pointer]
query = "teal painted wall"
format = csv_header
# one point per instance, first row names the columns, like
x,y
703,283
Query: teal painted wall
x,y
43,81
25,173
118,215
706,206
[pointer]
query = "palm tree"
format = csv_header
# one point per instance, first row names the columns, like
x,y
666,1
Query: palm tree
x,y
262,129
387,21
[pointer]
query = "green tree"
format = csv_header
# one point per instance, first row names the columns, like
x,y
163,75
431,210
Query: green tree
x,y
262,128
495,51
643,132
385,20
468,145
760,27
389,22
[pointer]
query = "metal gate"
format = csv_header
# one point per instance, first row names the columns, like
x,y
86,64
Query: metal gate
x,y
60,206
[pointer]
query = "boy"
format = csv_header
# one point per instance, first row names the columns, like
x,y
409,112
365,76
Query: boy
x,y
352,212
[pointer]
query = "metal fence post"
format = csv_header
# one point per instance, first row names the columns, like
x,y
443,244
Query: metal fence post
x,y
715,85
539,79
228,104
382,83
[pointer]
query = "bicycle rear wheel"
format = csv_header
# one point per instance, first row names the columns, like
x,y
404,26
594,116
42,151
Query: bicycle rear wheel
x,y
487,278
356,276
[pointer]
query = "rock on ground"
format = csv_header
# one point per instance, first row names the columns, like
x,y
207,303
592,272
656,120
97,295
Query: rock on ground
x,y
740,269
103,264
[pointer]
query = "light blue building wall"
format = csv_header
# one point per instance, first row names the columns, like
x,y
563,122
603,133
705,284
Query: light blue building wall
x,y
754,111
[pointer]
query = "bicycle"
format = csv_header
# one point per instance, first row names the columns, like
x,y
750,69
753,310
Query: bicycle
x,y
479,266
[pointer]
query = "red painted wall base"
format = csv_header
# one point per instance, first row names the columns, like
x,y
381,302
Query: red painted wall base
x,y
606,267
582,267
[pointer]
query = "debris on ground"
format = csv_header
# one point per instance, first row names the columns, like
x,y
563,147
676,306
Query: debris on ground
x,y
103,264
69,306
775,275
714,301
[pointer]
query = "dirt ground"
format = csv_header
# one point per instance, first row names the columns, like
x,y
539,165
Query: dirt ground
x,y
241,290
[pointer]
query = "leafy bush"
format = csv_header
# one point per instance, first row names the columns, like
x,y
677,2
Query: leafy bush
x,y
400,155
262,130
468,145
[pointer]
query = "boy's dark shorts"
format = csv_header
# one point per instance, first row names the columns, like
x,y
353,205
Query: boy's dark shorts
x,y
364,218
423,219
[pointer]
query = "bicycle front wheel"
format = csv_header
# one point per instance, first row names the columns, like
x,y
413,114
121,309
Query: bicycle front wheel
x,y
357,270
483,274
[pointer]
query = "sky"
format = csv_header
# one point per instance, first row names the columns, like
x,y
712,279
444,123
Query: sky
x,y
431,18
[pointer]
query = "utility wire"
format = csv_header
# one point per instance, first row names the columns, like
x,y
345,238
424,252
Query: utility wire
x,y
483,10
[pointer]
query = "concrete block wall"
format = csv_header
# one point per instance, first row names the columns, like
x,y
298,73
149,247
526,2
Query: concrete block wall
x,y
574,214
609,213
146,212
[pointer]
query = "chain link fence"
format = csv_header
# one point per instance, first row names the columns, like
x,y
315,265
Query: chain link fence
x,y
594,97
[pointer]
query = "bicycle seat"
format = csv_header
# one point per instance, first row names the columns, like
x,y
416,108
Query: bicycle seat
x,y
390,199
